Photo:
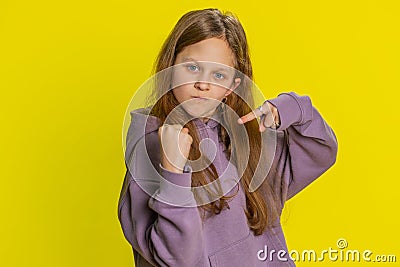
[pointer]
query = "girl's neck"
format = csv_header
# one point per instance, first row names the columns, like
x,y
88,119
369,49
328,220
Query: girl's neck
x,y
204,119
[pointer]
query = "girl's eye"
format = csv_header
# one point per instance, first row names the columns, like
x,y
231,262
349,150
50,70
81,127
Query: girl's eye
x,y
192,67
219,76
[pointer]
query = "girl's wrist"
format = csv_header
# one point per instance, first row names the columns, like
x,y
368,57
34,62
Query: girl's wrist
x,y
171,168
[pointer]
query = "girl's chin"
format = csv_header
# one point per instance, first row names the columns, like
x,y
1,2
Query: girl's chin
x,y
200,107
199,111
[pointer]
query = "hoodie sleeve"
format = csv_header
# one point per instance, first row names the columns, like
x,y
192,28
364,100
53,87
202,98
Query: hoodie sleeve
x,y
160,227
306,145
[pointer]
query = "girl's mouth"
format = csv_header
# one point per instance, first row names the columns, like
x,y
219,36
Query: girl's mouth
x,y
199,98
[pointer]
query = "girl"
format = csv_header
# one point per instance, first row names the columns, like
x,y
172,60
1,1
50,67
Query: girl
x,y
165,220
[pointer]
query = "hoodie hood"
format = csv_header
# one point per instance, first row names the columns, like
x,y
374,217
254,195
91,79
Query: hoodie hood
x,y
141,124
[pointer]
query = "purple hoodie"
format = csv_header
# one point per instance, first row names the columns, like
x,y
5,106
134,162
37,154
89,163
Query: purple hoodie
x,y
163,234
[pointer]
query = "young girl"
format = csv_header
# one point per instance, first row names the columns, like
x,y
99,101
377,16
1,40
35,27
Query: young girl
x,y
164,215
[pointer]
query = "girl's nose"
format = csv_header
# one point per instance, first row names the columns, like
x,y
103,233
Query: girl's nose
x,y
201,85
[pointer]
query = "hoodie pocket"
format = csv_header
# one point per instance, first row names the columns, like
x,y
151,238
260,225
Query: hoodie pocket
x,y
240,253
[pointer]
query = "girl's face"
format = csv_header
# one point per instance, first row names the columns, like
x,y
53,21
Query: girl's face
x,y
203,75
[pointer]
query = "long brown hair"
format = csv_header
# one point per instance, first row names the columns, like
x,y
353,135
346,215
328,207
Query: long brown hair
x,y
194,26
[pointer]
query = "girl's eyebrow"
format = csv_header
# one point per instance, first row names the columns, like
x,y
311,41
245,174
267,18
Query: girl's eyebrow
x,y
188,59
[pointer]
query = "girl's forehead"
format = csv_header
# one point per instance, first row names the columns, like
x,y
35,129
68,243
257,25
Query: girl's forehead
x,y
212,49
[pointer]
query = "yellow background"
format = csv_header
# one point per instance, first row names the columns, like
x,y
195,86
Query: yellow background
x,y
69,70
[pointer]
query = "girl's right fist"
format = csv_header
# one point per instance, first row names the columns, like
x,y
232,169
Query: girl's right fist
x,y
174,146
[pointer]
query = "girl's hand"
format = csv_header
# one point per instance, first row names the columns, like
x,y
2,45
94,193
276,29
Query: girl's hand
x,y
269,116
174,146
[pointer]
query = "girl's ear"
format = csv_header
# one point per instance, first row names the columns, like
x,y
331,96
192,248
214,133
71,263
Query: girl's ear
x,y
235,84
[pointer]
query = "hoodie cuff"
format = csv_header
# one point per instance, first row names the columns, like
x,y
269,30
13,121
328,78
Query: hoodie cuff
x,y
176,187
291,109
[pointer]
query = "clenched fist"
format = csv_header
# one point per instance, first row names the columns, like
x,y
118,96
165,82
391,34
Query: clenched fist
x,y
175,146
